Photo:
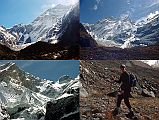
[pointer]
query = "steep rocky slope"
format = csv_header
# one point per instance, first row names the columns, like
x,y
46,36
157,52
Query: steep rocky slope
x,y
85,39
98,92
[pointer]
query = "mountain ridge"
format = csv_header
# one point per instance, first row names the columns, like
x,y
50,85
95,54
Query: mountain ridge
x,y
123,32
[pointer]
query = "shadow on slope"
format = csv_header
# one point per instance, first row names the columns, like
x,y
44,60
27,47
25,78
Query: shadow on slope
x,y
41,50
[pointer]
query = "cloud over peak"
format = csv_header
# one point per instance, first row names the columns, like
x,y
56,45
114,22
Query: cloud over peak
x,y
52,3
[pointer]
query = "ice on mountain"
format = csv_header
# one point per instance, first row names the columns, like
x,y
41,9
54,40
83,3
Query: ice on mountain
x,y
72,113
53,40
23,102
64,95
6,68
123,32
145,20
47,27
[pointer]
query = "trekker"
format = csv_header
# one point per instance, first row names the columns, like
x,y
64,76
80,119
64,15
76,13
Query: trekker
x,y
124,92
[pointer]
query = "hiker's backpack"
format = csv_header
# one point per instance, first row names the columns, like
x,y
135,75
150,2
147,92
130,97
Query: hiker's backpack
x,y
132,80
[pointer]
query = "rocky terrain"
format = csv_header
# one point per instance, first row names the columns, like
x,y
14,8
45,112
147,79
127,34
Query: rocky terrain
x,y
40,51
97,93
64,109
114,53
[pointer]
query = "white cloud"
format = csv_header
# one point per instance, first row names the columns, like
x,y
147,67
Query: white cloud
x,y
46,6
53,3
95,7
65,2
128,2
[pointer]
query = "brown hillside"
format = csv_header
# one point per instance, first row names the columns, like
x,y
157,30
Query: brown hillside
x,y
95,79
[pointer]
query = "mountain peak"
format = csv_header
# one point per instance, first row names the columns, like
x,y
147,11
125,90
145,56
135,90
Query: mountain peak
x,y
64,79
59,6
10,63
7,66
2,27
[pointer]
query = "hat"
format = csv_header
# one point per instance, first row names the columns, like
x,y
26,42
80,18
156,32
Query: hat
x,y
122,66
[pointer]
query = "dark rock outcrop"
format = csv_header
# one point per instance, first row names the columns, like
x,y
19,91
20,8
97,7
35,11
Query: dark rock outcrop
x,y
4,49
63,109
85,39
41,50
70,36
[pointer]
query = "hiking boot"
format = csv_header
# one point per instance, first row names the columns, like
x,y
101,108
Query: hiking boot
x,y
115,112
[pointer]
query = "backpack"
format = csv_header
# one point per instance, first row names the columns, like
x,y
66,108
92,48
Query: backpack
x,y
132,80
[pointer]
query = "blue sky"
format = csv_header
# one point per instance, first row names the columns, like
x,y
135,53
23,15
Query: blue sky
x,y
93,10
25,11
50,70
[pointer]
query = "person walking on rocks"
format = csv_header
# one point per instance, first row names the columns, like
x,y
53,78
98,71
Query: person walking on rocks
x,y
124,92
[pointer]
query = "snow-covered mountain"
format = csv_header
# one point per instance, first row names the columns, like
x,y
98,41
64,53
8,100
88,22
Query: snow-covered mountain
x,y
6,37
152,63
49,27
125,33
23,95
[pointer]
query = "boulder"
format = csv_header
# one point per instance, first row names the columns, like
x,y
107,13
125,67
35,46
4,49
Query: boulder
x,y
146,93
66,108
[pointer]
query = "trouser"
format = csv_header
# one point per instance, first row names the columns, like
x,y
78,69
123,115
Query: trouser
x,y
123,95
